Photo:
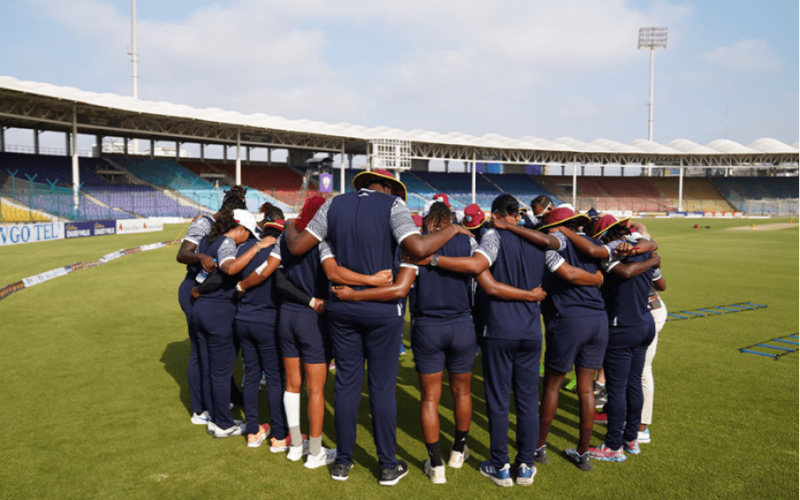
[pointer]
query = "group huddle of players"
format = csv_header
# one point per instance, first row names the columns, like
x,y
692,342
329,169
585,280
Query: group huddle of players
x,y
336,281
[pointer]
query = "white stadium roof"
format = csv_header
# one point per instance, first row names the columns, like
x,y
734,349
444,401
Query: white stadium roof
x,y
44,106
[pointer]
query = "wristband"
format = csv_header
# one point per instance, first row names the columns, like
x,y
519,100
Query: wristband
x,y
239,287
311,303
258,244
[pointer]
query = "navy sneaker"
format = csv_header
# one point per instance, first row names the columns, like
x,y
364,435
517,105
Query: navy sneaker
x,y
580,461
540,455
525,475
390,477
339,472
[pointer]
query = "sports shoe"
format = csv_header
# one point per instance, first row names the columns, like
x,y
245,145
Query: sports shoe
x,y
632,447
644,436
263,379
572,385
500,477
211,427
390,477
339,472
234,430
325,457
540,455
601,418
297,452
332,366
600,395
435,473
606,454
580,461
280,445
255,440
457,459
525,475
201,419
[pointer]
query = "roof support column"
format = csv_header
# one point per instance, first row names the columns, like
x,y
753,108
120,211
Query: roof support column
x,y
2,139
36,141
98,139
474,179
152,149
67,144
269,157
247,153
202,152
125,146
177,150
238,157
76,173
225,154
574,186
680,189
342,187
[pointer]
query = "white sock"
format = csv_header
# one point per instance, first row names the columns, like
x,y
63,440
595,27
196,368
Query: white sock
x,y
291,401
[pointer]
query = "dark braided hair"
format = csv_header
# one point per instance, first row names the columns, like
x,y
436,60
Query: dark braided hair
x,y
234,199
271,212
224,223
438,217
271,231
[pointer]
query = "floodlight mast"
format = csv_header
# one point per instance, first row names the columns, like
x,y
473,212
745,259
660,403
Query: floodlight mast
x,y
652,38
134,64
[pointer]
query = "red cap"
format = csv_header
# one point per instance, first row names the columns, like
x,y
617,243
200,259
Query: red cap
x,y
473,216
417,220
443,198
560,215
606,222
275,224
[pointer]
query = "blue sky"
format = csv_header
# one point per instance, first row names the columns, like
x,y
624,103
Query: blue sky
x,y
536,68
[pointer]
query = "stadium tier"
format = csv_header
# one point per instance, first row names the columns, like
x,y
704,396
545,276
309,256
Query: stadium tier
x,y
459,188
9,213
757,187
699,194
522,186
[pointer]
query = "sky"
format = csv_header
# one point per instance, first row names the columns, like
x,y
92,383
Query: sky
x,y
539,68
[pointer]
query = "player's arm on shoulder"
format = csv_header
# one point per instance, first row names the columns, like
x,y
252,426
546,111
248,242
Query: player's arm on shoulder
x,y
397,290
583,245
577,276
537,238
632,269
506,292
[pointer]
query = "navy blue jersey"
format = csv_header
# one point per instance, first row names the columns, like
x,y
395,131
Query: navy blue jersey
x,y
439,295
305,272
626,300
363,230
222,249
260,303
571,300
520,264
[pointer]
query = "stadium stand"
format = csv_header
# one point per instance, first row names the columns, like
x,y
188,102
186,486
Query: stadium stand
x,y
459,188
757,187
522,186
699,194
9,213
279,183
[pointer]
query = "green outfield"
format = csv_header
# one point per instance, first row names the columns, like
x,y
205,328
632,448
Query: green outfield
x,y
94,400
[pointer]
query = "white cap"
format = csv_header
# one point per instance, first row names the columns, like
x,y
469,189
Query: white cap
x,y
427,208
246,219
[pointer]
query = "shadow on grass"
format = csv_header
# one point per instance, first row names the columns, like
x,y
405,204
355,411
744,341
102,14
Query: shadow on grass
x,y
176,362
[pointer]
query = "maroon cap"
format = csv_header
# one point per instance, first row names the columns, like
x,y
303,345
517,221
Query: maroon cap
x,y
275,224
363,179
473,217
559,216
606,222
443,198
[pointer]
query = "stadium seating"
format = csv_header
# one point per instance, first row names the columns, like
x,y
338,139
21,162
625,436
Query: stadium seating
x,y
756,188
459,188
10,213
522,186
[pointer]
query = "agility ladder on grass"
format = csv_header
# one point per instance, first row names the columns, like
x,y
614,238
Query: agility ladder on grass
x,y
782,349
714,311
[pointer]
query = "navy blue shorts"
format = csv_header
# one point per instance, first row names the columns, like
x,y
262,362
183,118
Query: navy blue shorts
x,y
450,345
304,335
577,341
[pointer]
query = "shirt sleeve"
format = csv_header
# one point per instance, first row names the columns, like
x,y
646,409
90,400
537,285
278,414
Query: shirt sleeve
x,y
197,230
325,251
490,245
473,246
657,274
553,260
227,251
319,224
402,224
562,240
276,250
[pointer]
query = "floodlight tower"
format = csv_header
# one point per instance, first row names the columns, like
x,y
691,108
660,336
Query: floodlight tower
x,y
134,64
652,38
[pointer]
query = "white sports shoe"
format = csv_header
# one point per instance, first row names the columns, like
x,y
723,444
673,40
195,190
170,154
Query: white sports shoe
x,y
326,457
212,428
435,473
235,430
457,459
201,419
297,452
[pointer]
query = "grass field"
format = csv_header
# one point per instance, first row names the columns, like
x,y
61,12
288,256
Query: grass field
x,y
94,399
